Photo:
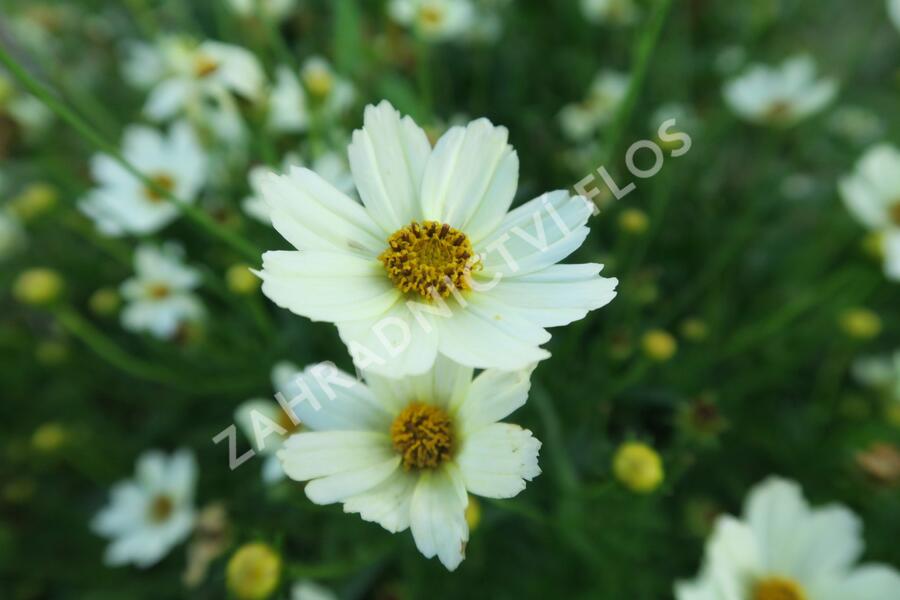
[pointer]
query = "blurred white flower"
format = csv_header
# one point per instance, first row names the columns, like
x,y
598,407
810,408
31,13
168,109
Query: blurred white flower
x,y
894,11
276,10
151,513
620,12
260,413
288,111
310,590
881,373
434,231
434,20
579,121
331,166
160,296
872,195
856,124
405,453
327,92
12,236
122,204
781,95
784,549
184,76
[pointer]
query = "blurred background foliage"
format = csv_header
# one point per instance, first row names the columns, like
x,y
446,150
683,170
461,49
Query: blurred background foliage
x,y
746,258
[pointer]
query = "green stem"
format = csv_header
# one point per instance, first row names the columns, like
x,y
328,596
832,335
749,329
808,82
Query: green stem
x,y
201,219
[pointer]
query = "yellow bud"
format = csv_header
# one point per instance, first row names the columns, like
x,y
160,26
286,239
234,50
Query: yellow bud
x,y
253,571
473,513
860,323
694,329
35,200
38,286
659,345
633,220
240,280
105,301
638,467
48,437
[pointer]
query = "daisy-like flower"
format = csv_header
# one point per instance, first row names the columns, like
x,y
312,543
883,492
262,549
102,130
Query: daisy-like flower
x,y
185,75
256,416
405,453
275,10
122,204
432,262
872,195
151,513
620,12
579,121
330,166
160,295
783,95
783,549
434,20
288,111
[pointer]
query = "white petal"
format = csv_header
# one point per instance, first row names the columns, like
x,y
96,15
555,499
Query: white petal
x,y
536,235
387,504
387,157
438,516
471,178
892,255
831,540
167,99
312,214
492,396
776,510
311,454
325,398
445,385
497,460
327,286
340,486
868,582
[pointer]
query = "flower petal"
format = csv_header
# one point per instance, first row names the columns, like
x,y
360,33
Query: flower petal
x,y
388,157
387,504
437,517
327,286
445,385
312,454
493,395
497,460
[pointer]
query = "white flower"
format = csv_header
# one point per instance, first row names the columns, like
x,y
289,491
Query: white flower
x,y
434,20
12,236
310,590
894,10
150,514
287,103
330,166
405,453
623,12
872,195
781,95
160,296
185,75
254,416
122,204
432,262
327,93
276,10
881,372
579,121
785,550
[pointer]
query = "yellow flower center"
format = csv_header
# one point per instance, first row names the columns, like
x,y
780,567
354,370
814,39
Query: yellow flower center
x,y
161,509
778,588
430,16
204,66
429,256
158,291
319,82
780,110
284,420
162,180
423,435
894,212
